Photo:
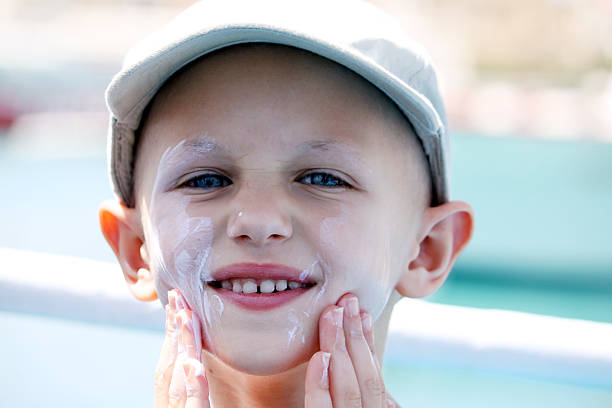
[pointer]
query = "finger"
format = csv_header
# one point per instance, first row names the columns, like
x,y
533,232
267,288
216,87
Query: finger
x,y
181,303
196,325
176,393
169,348
368,333
317,382
165,365
366,325
186,340
342,379
196,384
371,385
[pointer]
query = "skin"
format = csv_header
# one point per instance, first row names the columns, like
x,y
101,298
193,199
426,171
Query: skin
x,y
275,116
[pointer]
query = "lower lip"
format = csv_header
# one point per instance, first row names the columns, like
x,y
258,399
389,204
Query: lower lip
x,y
262,301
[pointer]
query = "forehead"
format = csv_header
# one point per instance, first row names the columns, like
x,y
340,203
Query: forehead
x,y
251,95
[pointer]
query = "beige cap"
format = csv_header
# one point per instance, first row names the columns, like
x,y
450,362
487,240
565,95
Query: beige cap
x,y
352,33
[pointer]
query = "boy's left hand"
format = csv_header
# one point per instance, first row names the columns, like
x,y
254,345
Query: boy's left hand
x,y
345,373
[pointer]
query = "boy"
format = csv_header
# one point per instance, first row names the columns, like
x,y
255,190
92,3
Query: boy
x,y
280,173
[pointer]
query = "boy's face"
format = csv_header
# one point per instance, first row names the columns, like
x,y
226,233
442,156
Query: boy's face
x,y
264,156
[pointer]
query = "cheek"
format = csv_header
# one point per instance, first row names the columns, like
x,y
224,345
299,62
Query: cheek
x,y
183,250
358,254
180,249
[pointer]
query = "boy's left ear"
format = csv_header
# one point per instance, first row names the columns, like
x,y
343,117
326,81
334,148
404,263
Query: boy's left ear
x,y
445,232
121,228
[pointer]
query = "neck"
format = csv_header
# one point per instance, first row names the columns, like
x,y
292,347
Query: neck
x,y
232,388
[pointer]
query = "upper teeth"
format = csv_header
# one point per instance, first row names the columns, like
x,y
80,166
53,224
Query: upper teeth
x,y
265,286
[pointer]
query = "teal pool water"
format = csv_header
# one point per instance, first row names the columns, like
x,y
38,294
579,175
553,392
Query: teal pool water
x,y
438,386
542,241
543,208
569,302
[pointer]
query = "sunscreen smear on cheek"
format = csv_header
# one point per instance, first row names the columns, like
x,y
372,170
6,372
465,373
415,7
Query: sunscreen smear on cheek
x,y
359,261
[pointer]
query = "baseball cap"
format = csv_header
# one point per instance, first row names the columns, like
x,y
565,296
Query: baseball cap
x,y
352,33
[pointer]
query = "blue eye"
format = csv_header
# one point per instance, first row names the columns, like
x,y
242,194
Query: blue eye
x,y
208,181
322,179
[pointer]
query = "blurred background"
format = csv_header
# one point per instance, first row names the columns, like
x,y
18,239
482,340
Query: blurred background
x,y
528,89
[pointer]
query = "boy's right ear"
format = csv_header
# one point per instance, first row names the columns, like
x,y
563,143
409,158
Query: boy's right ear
x,y
123,232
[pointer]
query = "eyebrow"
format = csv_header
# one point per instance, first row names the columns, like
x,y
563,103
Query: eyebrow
x,y
338,152
319,145
203,145
192,147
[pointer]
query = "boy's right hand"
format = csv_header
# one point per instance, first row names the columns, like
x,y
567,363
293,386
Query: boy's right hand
x,y
180,380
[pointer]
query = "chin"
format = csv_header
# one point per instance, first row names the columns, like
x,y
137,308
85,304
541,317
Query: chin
x,y
260,355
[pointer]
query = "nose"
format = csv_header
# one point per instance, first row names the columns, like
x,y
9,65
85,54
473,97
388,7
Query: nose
x,y
260,222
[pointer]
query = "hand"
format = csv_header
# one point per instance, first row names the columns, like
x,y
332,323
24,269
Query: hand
x,y
180,380
345,373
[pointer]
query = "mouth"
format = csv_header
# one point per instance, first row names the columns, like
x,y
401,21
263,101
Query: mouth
x,y
260,286
254,286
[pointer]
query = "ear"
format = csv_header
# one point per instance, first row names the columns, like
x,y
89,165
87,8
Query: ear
x,y
445,232
121,228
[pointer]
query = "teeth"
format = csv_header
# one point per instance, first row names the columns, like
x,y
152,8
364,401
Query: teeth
x,y
249,286
236,286
267,286
281,285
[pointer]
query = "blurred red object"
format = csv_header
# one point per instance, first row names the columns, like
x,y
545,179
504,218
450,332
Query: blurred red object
x,y
8,116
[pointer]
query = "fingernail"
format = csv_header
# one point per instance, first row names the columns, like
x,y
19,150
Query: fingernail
x,y
180,302
182,347
390,403
353,307
338,315
184,320
167,309
325,376
172,298
367,322
193,369
179,320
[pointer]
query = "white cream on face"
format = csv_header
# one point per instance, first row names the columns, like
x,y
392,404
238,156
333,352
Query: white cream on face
x,y
181,249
